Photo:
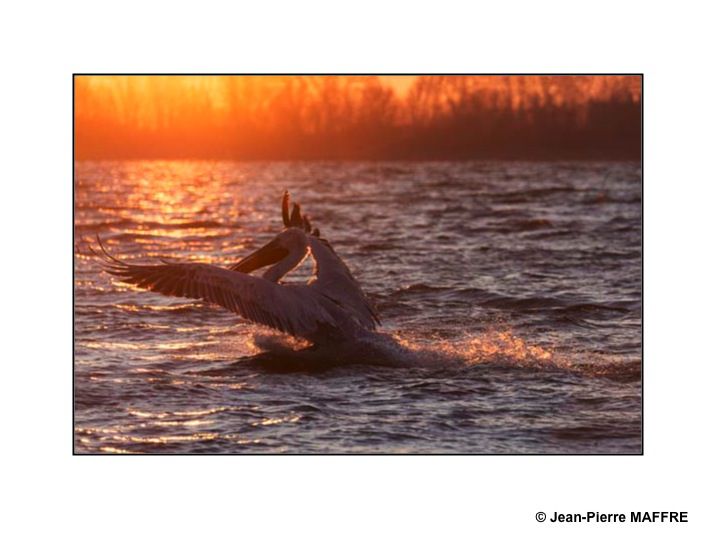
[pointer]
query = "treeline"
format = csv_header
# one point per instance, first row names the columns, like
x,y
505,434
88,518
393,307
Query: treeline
x,y
316,117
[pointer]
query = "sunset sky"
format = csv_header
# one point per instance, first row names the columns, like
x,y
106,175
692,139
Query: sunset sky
x,y
319,117
401,83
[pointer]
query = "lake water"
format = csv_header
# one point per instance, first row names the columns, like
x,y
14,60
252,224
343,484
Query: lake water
x,y
516,287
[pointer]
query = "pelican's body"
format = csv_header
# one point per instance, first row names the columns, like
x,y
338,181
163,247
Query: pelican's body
x,y
331,307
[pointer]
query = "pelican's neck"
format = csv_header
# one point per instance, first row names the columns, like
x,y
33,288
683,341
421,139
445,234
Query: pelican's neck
x,y
292,260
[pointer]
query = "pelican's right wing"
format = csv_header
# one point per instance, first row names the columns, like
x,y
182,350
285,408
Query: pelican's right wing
x,y
284,308
334,280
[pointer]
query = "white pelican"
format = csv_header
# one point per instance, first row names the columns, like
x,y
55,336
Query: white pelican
x,y
330,308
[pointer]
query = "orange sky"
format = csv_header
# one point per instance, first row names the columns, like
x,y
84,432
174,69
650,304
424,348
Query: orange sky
x,y
95,93
161,115
401,83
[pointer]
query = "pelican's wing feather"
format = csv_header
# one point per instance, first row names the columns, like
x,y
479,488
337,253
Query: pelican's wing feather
x,y
284,308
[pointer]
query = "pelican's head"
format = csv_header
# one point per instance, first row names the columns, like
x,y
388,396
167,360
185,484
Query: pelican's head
x,y
292,240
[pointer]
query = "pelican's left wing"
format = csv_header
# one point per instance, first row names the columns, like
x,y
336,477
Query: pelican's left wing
x,y
284,308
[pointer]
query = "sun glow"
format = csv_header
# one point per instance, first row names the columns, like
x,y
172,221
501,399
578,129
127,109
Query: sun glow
x,y
288,117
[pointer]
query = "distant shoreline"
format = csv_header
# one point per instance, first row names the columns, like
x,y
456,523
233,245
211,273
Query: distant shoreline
x,y
518,159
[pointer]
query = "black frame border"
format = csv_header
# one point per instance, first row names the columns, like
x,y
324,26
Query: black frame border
x,y
642,263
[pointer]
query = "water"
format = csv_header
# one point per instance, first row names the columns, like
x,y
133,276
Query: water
x,y
514,288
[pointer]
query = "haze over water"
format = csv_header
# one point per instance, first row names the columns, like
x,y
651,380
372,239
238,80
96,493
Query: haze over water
x,y
517,287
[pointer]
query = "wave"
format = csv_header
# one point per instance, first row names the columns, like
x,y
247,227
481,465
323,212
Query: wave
x,y
549,304
142,236
125,223
530,195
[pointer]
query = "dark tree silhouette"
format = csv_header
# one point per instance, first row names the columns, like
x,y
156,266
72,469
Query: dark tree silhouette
x,y
346,117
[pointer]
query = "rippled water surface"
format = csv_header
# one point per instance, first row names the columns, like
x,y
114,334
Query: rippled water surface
x,y
515,289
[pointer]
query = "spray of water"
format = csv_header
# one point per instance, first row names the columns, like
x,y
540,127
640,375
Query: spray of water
x,y
495,347
406,350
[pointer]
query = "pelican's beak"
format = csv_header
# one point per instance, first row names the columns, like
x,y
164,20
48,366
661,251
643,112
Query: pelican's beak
x,y
268,254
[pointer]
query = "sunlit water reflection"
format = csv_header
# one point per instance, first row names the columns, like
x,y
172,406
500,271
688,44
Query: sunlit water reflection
x,y
514,287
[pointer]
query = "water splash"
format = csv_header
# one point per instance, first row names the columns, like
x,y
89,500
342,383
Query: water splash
x,y
496,347
404,350
500,347
504,348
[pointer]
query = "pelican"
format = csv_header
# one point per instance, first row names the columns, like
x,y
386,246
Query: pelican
x,y
330,308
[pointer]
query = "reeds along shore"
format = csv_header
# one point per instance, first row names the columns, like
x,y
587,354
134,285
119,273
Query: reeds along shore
x,y
362,117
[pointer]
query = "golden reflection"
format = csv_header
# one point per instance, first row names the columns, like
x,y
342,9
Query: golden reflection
x,y
200,412
149,307
167,438
125,346
230,386
118,437
248,441
275,421
183,423
182,345
114,450
173,233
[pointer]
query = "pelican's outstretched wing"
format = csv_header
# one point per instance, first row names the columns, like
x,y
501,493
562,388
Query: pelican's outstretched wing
x,y
284,308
